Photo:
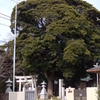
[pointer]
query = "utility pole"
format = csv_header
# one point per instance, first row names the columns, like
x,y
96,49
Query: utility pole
x,y
14,54
14,58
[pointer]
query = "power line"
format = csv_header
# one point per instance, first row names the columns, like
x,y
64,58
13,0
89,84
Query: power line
x,y
14,1
4,18
4,15
4,25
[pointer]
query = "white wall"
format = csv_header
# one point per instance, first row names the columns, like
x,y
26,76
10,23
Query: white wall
x,y
16,95
92,93
70,95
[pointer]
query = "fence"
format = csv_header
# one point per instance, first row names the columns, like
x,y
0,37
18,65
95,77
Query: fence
x,y
26,95
90,93
80,94
4,96
30,95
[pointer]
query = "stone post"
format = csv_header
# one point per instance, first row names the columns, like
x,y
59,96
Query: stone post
x,y
60,88
70,93
63,93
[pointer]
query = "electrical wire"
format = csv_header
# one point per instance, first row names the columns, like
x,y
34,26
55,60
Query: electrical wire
x,y
2,42
4,25
4,18
14,1
4,15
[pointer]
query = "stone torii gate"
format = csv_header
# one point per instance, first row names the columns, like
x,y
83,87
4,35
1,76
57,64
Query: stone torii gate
x,y
24,80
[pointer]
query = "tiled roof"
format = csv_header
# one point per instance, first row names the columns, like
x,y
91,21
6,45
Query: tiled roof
x,y
94,70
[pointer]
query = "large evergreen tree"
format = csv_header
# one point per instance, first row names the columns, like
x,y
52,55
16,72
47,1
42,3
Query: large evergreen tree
x,y
57,36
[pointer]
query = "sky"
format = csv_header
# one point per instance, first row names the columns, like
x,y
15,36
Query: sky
x,y
6,7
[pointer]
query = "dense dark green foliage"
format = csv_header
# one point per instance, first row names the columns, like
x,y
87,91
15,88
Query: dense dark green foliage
x,y
57,35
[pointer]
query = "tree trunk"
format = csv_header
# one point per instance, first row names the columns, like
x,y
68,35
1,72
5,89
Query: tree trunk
x,y
50,84
50,88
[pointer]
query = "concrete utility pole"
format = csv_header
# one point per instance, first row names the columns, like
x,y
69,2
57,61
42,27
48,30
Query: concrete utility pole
x,y
14,54
14,49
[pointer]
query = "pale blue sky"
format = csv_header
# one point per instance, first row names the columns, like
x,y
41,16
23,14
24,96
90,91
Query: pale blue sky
x,y
95,3
6,7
